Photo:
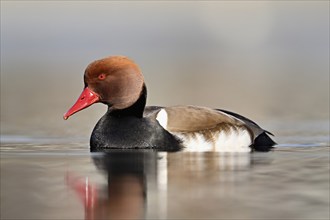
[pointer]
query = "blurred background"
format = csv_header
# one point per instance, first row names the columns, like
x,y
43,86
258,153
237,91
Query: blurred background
x,y
266,60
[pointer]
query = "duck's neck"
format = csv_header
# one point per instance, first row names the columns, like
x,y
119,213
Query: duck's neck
x,y
135,110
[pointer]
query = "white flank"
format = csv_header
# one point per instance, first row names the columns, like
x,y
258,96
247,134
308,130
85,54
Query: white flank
x,y
194,144
162,118
232,141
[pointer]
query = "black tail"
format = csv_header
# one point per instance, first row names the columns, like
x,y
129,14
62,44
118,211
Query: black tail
x,y
263,143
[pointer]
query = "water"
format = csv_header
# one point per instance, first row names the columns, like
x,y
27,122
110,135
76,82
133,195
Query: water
x,y
58,178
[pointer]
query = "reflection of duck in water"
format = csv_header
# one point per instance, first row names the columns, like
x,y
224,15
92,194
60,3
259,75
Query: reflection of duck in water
x,y
126,189
118,82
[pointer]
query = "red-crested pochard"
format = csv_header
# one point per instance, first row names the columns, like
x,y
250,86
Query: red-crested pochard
x,y
118,82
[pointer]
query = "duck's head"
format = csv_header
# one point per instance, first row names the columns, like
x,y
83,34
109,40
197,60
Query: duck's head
x,y
115,81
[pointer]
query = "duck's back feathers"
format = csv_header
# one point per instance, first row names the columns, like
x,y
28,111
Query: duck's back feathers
x,y
193,118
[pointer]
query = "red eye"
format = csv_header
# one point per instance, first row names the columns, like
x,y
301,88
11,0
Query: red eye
x,y
101,76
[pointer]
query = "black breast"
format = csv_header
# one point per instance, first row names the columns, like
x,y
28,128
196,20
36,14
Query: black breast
x,y
129,132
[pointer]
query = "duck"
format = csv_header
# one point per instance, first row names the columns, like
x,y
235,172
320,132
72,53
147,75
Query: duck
x,y
118,82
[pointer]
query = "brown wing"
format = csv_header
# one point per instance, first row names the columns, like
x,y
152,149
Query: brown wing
x,y
193,118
